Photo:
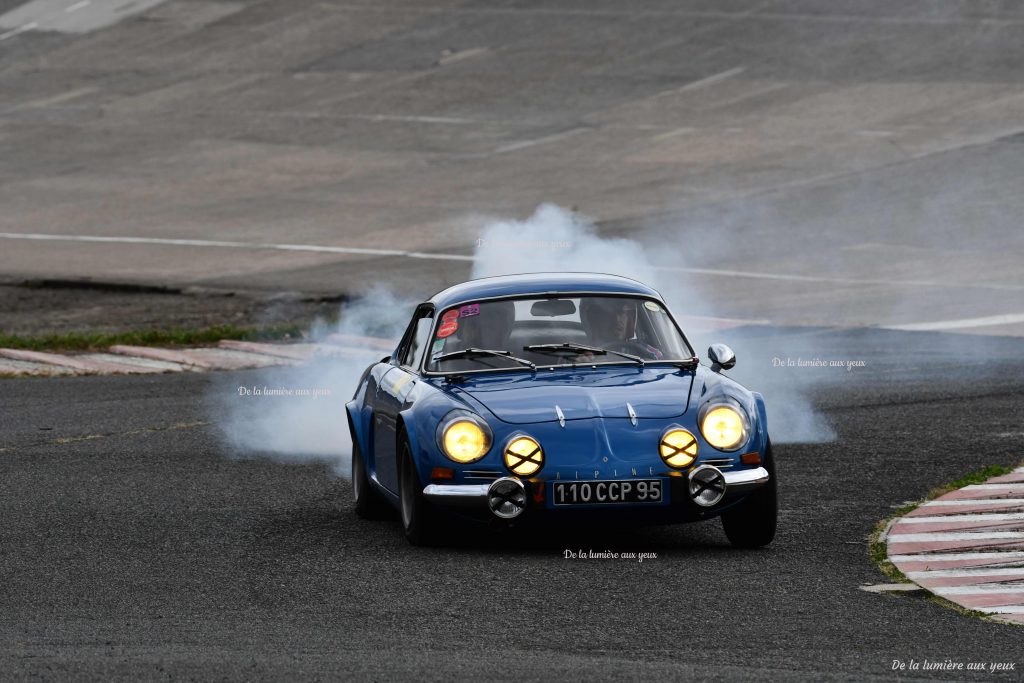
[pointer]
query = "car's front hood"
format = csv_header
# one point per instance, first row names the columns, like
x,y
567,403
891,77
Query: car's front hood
x,y
522,398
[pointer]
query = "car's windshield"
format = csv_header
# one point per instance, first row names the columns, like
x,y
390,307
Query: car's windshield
x,y
571,330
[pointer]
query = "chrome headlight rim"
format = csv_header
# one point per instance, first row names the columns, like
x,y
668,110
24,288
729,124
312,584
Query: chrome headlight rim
x,y
693,456
540,451
454,417
736,408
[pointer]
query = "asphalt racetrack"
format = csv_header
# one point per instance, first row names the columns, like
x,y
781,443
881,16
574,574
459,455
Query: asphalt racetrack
x,y
134,548
834,180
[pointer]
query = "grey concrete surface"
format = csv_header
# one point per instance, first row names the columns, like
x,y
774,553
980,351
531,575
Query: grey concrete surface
x,y
135,549
864,145
72,16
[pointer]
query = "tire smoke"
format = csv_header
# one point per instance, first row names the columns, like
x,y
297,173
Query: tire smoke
x,y
298,415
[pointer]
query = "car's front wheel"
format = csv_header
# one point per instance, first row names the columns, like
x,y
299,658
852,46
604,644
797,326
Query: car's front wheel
x,y
752,523
418,518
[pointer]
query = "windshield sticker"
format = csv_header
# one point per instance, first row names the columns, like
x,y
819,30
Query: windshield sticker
x,y
450,315
469,309
653,351
438,346
447,329
651,306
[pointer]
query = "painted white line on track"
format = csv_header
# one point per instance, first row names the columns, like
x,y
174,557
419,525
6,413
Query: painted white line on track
x,y
62,97
957,536
234,245
442,257
461,55
464,257
1013,556
685,130
710,80
64,16
839,280
980,589
1007,319
978,516
541,141
21,29
410,119
964,573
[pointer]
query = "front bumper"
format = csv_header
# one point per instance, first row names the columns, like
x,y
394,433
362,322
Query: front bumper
x,y
477,495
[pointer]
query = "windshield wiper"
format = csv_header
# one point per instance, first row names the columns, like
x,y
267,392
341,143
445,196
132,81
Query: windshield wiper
x,y
473,352
580,348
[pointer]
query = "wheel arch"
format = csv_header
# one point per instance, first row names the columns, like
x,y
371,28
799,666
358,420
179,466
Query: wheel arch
x,y
762,420
405,428
357,426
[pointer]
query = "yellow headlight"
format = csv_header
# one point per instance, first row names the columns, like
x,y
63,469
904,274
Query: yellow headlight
x,y
678,448
464,441
523,456
724,428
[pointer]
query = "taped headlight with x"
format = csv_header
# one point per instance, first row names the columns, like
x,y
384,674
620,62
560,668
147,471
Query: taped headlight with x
x,y
678,448
523,456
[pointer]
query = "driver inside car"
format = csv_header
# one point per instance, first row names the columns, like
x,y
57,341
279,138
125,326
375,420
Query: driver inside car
x,y
611,324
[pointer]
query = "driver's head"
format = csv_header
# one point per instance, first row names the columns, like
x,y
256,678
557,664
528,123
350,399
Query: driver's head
x,y
608,319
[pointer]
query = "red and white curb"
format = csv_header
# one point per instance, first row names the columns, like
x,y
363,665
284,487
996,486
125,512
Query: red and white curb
x,y
227,355
968,546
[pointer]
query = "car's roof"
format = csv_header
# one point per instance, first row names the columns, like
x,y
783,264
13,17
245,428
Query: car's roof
x,y
539,283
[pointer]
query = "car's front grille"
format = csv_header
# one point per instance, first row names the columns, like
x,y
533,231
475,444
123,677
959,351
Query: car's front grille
x,y
719,462
489,475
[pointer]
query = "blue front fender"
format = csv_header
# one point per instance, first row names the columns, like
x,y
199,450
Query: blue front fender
x,y
357,427
762,421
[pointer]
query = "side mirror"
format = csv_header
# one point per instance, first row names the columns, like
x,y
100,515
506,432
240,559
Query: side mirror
x,y
722,357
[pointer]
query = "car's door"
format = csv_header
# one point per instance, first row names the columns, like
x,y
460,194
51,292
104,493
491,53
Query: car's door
x,y
393,393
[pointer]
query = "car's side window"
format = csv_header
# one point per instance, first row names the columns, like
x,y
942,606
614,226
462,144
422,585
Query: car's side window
x,y
420,339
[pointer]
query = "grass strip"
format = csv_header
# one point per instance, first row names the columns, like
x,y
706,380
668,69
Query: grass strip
x,y
78,341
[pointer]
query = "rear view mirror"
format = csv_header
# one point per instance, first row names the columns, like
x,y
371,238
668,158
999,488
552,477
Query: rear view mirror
x,y
551,308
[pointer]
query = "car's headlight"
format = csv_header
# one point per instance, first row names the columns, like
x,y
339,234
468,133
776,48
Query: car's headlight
x,y
524,456
724,426
464,438
678,448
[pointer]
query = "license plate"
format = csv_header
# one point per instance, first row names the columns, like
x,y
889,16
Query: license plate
x,y
629,492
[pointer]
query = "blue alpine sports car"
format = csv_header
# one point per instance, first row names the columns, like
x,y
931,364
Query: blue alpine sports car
x,y
558,396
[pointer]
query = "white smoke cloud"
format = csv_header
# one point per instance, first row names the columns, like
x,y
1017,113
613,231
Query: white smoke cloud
x,y
555,239
302,420
309,425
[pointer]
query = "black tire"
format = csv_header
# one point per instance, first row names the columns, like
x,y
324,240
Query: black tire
x,y
752,523
417,515
368,503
